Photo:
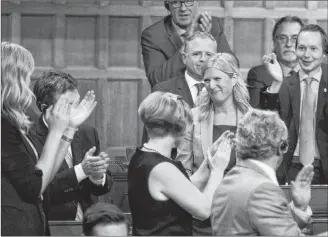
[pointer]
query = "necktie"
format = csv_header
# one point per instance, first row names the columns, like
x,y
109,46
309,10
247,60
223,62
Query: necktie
x,y
200,87
69,161
307,146
183,36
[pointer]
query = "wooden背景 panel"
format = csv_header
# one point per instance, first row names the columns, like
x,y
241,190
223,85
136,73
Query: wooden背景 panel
x,y
5,30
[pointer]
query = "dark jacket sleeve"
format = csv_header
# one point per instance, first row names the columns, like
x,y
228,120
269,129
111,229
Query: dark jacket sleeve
x,y
17,165
221,40
158,67
254,86
269,101
88,185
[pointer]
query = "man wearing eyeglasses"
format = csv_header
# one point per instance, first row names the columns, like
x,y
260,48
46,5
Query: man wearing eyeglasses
x,y
161,42
284,37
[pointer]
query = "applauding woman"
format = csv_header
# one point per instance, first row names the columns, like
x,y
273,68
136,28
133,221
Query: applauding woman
x,y
162,197
24,174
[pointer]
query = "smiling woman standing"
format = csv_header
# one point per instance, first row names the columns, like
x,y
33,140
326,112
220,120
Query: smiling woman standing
x,y
221,105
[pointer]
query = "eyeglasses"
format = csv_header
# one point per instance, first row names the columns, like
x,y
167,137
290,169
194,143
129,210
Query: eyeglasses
x,y
178,4
283,39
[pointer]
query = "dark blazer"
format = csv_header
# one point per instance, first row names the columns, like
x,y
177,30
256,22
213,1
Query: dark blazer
x,y
177,85
21,208
257,78
64,191
287,102
247,202
160,49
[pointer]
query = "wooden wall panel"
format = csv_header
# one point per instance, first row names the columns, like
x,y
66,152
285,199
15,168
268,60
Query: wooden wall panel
x,y
80,41
248,4
5,30
124,47
120,103
36,35
298,4
248,49
323,5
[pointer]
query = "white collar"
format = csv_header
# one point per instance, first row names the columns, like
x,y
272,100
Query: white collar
x,y
44,121
190,80
314,74
267,169
287,70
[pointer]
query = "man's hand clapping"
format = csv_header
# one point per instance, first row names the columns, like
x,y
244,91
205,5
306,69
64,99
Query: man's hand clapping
x,y
83,110
95,166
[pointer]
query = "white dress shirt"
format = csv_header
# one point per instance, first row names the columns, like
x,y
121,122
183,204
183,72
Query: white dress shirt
x,y
315,88
192,86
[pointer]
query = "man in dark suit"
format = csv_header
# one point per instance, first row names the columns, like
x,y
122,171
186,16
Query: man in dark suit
x,y
84,171
302,102
161,42
284,37
195,52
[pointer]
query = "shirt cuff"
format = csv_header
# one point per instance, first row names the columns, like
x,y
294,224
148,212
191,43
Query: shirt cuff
x,y
99,182
80,175
304,215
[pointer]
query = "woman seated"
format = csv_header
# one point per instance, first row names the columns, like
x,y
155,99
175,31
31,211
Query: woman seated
x,y
220,106
162,197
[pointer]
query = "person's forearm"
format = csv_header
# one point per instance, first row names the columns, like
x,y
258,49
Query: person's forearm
x,y
213,182
47,158
201,176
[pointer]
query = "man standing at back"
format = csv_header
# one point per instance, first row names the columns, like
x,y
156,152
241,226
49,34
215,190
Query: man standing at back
x,y
195,52
161,42
284,36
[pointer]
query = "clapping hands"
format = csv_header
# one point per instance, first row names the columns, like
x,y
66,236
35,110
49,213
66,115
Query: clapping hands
x,y
95,166
83,110
201,22
218,154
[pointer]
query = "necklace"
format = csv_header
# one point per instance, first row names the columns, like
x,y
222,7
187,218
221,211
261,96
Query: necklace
x,y
151,149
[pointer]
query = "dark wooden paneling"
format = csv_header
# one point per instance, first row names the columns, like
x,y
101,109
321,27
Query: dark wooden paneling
x,y
248,4
323,5
300,4
124,41
120,103
5,30
248,41
36,36
80,41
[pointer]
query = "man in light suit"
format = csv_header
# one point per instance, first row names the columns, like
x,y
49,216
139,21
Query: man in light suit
x,y
249,200
284,37
302,102
84,172
195,52
161,42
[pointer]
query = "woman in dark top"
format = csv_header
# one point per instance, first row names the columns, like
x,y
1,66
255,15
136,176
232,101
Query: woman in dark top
x,y
221,105
24,175
162,197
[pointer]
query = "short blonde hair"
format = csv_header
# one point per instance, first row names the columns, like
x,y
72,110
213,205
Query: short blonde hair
x,y
259,134
17,65
228,64
165,113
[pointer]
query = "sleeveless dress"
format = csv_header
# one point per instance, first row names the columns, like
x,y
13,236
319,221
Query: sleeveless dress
x,y
149,216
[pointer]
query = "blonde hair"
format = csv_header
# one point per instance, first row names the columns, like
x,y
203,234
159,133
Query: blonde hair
x,y
165,113
17,65
228,64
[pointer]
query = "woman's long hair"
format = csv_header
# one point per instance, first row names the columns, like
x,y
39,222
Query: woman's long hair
x,y
228,64
17,65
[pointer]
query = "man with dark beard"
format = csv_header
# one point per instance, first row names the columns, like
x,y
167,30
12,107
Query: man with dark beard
x,y
284,36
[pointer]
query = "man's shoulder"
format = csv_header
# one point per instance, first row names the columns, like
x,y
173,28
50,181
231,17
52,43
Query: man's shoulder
x,y
156,28
259,68
169,84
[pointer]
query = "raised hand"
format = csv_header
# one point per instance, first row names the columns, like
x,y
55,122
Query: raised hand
x,y
83,110
301,187
205,21
272,65
218,154
94,166
57,116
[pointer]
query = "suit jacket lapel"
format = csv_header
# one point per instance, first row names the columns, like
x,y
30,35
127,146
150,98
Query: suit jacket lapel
x,y
206,131
295,97
172,33
76,146
321,95
184,91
